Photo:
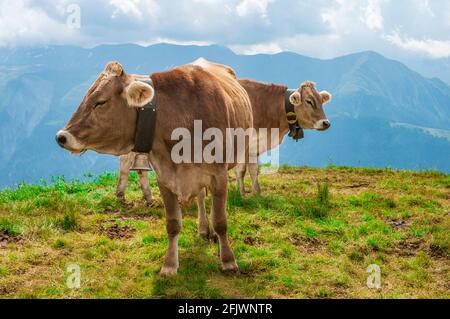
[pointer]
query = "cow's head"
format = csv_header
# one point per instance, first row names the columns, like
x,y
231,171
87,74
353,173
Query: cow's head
x,y
308,106
105,121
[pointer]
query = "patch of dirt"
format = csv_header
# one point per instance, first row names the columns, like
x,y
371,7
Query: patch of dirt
x,y
398,224
155,203
8,290
310,243
6,238
136,217
408,247
128,205
252,241
438,252
20,271
360,185
339,291
444,286
116,232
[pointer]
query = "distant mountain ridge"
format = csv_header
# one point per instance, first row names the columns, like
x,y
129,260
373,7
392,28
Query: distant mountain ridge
x,y
431,68
41,87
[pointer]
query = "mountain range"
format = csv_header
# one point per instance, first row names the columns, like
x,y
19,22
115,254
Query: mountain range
x,y
383,114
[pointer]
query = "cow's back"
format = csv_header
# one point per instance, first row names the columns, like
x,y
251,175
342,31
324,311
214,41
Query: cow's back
x,y
209,93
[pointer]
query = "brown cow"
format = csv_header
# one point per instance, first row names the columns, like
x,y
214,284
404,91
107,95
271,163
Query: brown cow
x,y
268,105
106,122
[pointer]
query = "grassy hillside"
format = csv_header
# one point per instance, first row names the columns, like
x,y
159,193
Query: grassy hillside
x,y
312,234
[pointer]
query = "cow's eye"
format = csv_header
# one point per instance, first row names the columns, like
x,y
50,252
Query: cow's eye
x,y
100,103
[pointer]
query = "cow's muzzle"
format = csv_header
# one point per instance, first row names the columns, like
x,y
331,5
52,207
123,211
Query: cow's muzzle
x,y
61,139
68,142
322,125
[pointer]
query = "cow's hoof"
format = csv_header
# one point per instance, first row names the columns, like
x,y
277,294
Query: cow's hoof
x,y
120,194
230,268
168,271
213,237
208,235
204,235
121,198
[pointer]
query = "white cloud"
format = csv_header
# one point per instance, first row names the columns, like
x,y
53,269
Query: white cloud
x,y
372,15
336,15
267,48
424,6
172,41
320,28
251,7
139,9
21,23
302,43
127,7
349,15
433,48
330,17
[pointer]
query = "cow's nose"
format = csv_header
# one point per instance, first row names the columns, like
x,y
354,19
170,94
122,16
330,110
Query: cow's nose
x,y
326,124
61,139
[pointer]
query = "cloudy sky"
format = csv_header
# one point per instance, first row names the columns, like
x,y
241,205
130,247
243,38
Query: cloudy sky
x,y
320,28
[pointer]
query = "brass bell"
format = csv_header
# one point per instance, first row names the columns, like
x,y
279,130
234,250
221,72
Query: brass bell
x,y
141,163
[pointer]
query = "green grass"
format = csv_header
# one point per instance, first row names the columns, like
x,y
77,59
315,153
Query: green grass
x,y
234,197
312,233
9,228
68,221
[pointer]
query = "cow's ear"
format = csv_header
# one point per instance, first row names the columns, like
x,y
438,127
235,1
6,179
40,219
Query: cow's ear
x,y
114,68
295,98
326,97
138,94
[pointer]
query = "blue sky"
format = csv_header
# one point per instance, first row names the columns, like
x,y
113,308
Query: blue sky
x,y
402,29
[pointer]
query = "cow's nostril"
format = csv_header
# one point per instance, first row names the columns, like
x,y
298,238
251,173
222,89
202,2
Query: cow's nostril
x,y
326,124
61,139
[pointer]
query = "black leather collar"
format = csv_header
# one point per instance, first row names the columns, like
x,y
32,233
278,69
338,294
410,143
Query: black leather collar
x,y
295,130
146,122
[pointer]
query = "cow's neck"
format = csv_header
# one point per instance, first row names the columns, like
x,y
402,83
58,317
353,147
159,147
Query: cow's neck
x,y
269,112
283,122
277,118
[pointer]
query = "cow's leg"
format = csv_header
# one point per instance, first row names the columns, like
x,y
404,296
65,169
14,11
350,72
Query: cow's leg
x,y
240,174
125,165
203,222
173,227
219,222
253,170
143,181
